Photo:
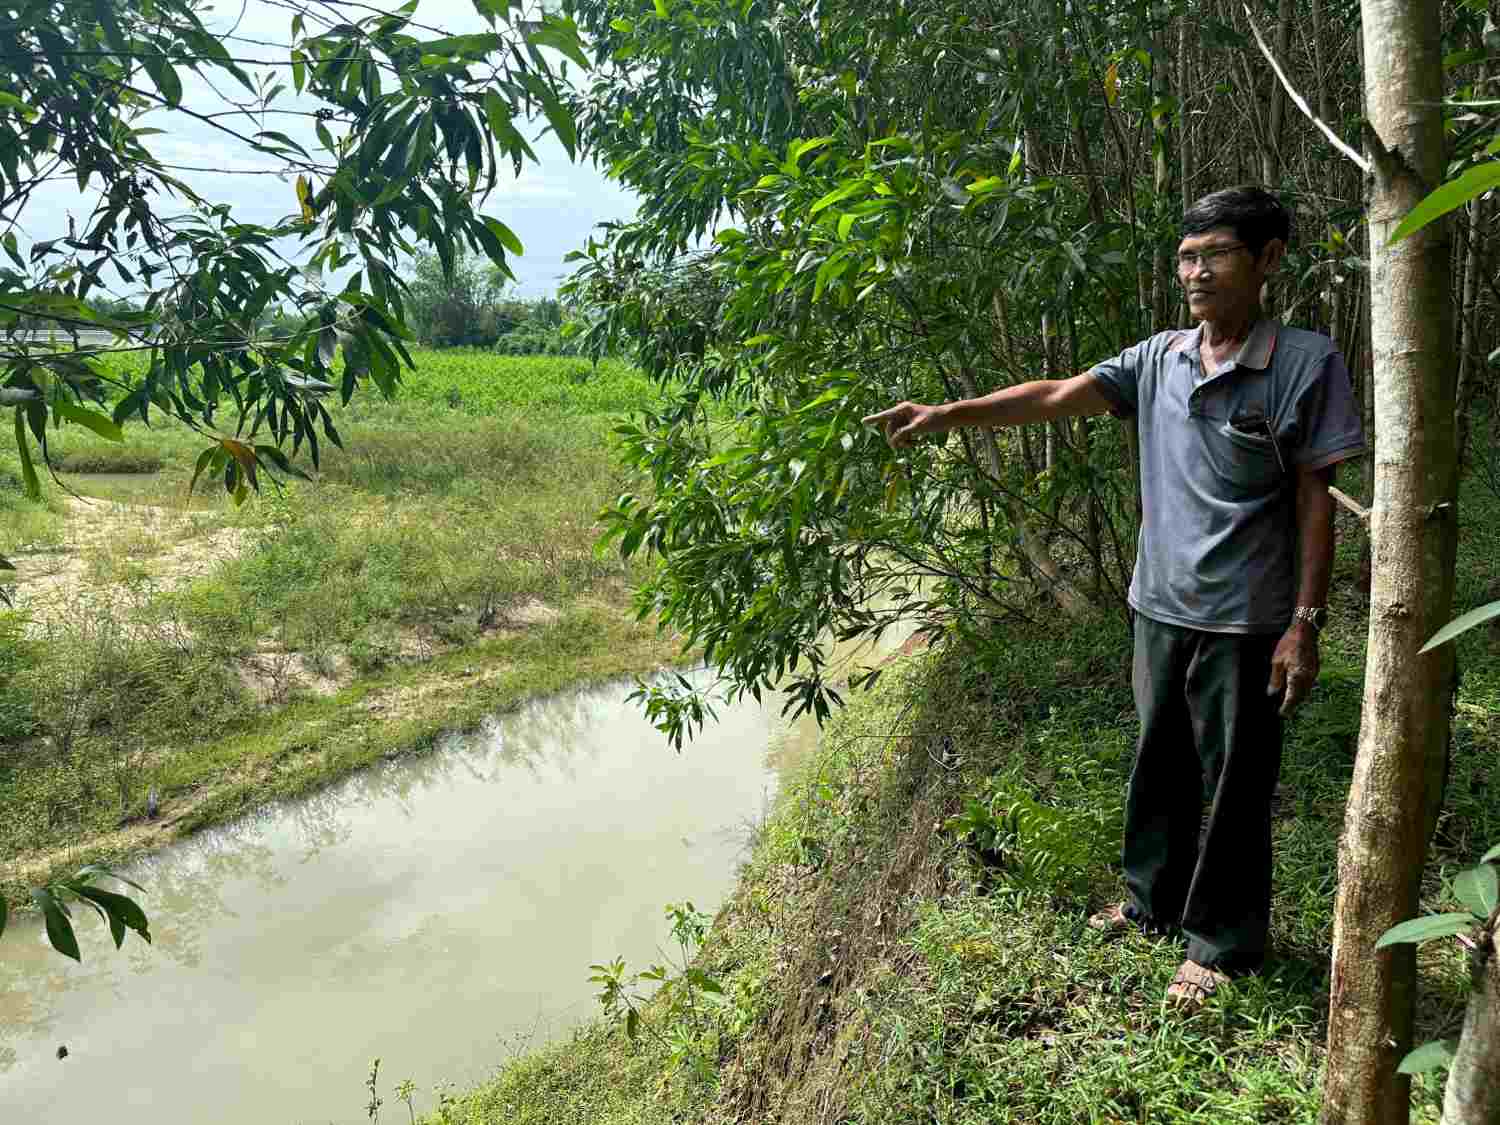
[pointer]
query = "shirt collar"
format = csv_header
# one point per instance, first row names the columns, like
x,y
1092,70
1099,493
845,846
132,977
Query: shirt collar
x,y
1255,353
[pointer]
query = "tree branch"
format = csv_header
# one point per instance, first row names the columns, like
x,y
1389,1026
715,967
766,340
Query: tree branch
x,y
1301,102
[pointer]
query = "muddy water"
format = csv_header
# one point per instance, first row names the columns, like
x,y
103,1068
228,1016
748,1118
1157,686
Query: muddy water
x,y
433,912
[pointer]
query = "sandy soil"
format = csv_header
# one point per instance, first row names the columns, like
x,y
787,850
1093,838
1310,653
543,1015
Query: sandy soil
x,y
108,547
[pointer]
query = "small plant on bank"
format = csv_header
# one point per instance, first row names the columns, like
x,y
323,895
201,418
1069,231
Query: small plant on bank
x,y
691,1017
1017,839
404,1090
372,1108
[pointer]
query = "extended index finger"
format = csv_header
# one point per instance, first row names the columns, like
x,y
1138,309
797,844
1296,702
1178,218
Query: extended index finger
x,y
889,412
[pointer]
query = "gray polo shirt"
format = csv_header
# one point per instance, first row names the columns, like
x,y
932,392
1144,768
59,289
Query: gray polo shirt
x,y
1219,460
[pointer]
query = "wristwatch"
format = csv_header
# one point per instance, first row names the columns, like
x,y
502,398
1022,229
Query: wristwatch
x,y
1316,616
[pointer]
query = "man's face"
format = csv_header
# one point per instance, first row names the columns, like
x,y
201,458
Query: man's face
x,y
1220,275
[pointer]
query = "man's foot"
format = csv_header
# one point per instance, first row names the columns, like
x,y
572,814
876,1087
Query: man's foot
x,y
1113,920
1193,985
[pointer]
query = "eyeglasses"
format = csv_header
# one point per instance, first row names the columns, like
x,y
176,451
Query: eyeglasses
x,y
1189,261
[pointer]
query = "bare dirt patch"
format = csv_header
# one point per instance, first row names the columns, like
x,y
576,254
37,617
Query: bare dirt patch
x,y
272,674
108,547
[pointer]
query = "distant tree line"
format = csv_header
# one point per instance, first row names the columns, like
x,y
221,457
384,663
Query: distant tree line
x,y
470,307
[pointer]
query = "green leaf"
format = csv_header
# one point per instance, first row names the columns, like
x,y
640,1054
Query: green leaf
x,y
1462,624
203,463
59,928
274,455
843,191
1455,193
90,419
124,913
562,123
24,111
1491,855
328,344
165,78
1478,888
562,36
632,1023
1429,1056
23,450
802,148
104,12
1425,929
92,871
506,236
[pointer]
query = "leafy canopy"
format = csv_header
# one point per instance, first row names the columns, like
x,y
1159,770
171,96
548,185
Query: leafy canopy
x,y
411,127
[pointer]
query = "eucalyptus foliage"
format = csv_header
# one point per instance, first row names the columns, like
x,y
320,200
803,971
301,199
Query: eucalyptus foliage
x,y
838,213
413,127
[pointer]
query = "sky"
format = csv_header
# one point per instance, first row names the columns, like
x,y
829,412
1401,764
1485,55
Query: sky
x,y
552,206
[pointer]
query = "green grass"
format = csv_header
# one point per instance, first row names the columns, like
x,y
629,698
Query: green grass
x,y
883,970
439,545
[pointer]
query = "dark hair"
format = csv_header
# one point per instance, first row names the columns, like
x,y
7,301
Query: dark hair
x,y
1254,214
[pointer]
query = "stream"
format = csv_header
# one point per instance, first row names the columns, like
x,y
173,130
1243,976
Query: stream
x,y
439,911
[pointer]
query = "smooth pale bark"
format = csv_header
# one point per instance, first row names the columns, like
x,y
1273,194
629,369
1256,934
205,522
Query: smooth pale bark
x,y
1404,727
1472,1096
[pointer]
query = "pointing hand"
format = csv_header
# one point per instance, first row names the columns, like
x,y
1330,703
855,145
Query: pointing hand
x,y
904,422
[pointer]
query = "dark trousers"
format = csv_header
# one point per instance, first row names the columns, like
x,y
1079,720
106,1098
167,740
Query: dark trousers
x,y
1209,733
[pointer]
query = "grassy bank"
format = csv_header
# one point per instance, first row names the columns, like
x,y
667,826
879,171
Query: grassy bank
x,y
907,942
441,566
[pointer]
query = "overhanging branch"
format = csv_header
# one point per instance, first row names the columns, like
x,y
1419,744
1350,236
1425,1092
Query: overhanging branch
x,y
1301,102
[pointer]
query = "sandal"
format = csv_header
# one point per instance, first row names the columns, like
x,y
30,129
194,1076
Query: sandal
x,y
1193,985
1113,920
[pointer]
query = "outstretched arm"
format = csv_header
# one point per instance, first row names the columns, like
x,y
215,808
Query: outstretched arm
x,y
1041,400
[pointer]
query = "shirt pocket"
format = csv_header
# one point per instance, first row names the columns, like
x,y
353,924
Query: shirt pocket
x,y
1246,464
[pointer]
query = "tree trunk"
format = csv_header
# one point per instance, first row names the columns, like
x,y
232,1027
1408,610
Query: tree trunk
x,y
1473,1093
1270,150
1161,181
1468,347
1404,726
1331,183
1184,141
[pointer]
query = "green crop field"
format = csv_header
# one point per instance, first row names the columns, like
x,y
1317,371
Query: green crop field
x,y
481,382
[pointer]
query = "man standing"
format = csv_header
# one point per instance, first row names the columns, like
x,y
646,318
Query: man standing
x,y
1241,421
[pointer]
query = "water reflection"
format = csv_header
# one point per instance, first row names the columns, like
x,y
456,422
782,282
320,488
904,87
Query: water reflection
x,y
419,910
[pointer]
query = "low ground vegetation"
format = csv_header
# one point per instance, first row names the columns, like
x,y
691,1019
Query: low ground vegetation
x,y
907,941
441,564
